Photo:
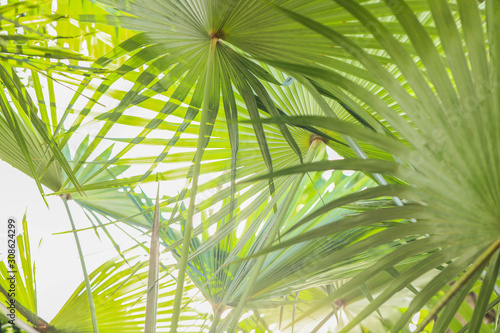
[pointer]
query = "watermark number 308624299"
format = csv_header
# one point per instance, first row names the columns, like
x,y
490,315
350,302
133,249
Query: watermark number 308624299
x,y
11,270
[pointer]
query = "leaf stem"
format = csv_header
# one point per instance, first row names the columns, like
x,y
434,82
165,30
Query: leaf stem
x,y
183,261
215,321
84,269
154,264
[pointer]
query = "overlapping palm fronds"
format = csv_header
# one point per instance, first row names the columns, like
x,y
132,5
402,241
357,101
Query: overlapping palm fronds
x,y
28,53
449,162
405,91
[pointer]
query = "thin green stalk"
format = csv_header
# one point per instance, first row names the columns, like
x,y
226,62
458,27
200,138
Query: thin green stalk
x,y
84,269
215,321
256,269
295,310
154,264
183,261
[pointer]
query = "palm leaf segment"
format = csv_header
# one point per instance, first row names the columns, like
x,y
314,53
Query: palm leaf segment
x,y
173,46
450,123
119,289
28,127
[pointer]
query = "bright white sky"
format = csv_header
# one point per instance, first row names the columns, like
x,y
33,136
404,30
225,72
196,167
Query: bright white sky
x,y
58,269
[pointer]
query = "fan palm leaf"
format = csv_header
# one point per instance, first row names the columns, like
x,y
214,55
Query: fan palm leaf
x,y
438,159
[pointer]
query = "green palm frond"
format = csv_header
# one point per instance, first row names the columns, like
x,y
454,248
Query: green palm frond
x,y
449,149
18,283
29,144
119,292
